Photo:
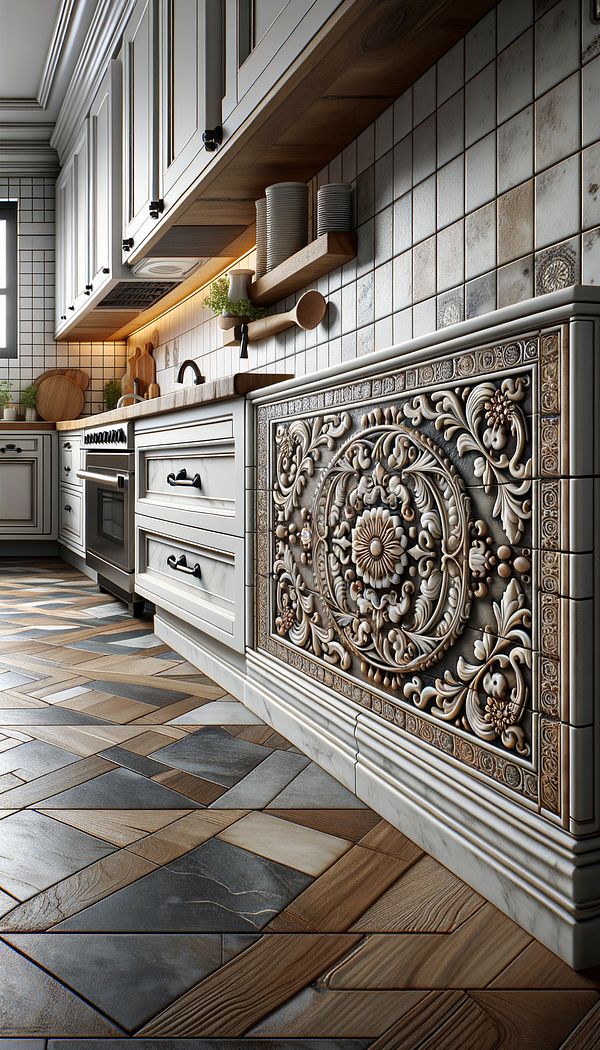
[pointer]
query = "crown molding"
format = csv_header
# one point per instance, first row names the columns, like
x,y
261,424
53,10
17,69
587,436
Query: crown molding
x,y
19,103
26,158
55,51
101,43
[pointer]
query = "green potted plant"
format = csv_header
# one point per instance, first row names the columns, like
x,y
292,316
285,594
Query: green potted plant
x,y
29,402
112,393
239,310
10,409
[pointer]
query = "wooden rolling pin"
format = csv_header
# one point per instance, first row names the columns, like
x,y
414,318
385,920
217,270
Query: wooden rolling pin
x,y
308,312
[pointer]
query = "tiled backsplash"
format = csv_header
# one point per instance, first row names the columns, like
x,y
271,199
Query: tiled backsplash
x,y
478,188
37,350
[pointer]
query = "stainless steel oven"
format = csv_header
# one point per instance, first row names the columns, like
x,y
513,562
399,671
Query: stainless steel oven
x,y
109,510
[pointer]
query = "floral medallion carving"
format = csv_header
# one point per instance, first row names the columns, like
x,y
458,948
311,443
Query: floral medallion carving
x,y
401,568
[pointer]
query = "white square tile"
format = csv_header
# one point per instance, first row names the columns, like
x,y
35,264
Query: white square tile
x,y
480,295
403,164
590,186
424,317
424,266
590,257
557,123
480,44
403,119
383,291
424,149
514,17
424,95
403,223
590,91
481,172
557,197
480,104
451,128
515,150
402,326
450,192
402,281
450,72
515,282
515,77
557,45
424,217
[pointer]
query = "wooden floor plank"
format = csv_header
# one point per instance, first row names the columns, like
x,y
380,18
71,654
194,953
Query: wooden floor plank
x,y
586,1036
254,984
51,783
531,1019
120,827
324,1013
187,833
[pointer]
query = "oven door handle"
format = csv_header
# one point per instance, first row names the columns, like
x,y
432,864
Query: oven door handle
x,y
105,480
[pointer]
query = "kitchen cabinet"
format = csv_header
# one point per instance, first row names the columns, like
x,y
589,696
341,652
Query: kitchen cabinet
x,y
105,153
71,517
140,120
191,558
73,225
27,475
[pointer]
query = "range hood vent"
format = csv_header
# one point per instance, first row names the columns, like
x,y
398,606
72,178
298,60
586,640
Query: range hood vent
x,y
137,295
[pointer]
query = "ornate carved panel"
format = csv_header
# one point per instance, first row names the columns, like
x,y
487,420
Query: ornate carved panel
x,y
412,561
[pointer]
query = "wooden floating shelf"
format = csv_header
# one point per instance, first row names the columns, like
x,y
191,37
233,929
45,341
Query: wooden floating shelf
x,y
326,253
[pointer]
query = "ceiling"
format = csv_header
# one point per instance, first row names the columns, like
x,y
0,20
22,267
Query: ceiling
x,y
40,41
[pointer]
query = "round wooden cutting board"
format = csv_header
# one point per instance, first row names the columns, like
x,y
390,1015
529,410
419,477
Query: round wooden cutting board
x,y
59,398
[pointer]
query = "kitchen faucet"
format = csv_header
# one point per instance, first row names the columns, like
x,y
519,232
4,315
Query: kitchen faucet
x,y
135,396
199,378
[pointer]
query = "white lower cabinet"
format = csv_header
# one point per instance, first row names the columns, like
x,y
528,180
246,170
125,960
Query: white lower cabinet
x,y
194,574
27,466
71,510
190,519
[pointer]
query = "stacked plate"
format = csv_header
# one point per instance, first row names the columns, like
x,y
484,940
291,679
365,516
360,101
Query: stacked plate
x,y
334,208
261,237
287,220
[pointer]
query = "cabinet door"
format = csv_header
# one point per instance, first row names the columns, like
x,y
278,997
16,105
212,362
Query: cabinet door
x,y
192,76
263,38
21,495
140,142
65,256
105,175
81,220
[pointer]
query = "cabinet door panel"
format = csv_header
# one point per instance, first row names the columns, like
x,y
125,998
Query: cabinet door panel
x,y
105,178
141,115
191,35
20,495
81,216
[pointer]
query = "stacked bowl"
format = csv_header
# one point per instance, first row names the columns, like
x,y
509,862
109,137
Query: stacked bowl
x,y
261,237
287,220
334,208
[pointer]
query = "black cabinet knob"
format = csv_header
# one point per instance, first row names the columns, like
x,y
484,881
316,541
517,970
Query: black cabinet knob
x,y
156,207
212,138
127,244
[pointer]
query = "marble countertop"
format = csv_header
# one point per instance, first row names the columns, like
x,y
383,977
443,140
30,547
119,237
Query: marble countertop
x,y
237,385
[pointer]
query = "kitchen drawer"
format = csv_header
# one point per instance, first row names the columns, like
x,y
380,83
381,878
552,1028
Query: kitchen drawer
x,y
11,444
196,575
70,510
70,459
194,474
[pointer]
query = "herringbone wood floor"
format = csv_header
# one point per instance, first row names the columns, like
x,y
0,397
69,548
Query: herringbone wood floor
x,y
173,869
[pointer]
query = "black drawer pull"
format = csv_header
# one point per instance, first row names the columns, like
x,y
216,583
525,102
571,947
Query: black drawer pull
x,y
180,565
67,445
68,508
181,478
10,448
67,470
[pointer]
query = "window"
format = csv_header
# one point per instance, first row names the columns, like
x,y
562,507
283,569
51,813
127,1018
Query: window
x,y
8,279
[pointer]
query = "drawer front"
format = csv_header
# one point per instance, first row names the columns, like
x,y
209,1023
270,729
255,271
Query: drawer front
x,y
71,517
194,474
70,460
196,575
14,444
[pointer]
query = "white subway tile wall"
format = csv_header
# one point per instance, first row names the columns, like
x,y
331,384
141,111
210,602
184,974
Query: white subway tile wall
x,y
37,350
477,189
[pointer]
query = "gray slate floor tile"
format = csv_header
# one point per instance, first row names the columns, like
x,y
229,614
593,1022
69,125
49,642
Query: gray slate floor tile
x,y
214,754
120,789
34,758
264,782
315,789
216,887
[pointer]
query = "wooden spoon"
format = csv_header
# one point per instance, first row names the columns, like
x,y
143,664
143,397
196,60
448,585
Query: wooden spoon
x,y
308,312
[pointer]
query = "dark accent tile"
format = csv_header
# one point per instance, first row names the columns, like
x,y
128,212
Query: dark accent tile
x,y
119,789
147,694
214,754
34,758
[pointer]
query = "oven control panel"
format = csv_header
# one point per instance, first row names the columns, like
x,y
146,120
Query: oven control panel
x,y
109,437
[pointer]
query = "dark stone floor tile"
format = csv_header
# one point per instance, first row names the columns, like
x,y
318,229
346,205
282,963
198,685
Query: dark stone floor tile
x,y
214,754
34,758
263,783
32,1002
120,789
129,977
36,852
214,888
138,763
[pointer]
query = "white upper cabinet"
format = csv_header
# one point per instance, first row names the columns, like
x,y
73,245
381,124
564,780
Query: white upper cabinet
x,y
72,202
105,178
140,120
191,34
